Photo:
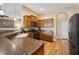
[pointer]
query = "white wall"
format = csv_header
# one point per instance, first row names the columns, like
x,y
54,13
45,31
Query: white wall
x,y
69,10
12,10
27,11
17,10
62,25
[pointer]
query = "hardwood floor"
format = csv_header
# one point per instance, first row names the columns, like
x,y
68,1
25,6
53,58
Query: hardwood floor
x,y
60,47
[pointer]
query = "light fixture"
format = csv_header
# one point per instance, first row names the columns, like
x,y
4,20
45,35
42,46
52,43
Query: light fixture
x,y
1,9
1,12
1,3
41,9
15,19
13,46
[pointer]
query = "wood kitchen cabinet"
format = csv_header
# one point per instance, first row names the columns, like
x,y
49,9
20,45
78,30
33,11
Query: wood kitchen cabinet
x,y
41,23
43,36
49,22
29,19
39,51
31,35
71,48
46,37
46,22
33,18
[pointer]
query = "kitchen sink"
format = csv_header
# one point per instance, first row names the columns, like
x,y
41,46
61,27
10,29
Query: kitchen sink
x,y
22,35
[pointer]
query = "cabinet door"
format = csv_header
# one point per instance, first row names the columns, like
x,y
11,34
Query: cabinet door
x,y
24,21
4,23
38,23
49,22
46,37
41,23
27,21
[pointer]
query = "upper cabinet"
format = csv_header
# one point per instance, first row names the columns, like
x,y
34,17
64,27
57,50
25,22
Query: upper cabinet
x,y
41,23
33,18
46,22
13,10
49,22
28,20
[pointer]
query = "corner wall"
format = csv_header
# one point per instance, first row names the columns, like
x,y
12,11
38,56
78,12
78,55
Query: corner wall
x,y
69,10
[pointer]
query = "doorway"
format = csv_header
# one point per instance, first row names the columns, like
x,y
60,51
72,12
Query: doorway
x,y
62,25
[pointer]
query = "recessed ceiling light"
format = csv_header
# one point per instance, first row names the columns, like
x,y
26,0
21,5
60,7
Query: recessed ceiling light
x,y
41,9
1,12
1,3
15,19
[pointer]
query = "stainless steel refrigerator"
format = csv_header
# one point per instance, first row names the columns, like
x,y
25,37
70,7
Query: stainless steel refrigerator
x,y
74,32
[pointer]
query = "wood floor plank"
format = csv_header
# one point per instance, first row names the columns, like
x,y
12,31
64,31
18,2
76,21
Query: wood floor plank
x,y
60,47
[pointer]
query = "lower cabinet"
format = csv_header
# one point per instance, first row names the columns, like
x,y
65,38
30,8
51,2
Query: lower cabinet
x,y
43,36
39,51
71,49
11,36
31,34
46,37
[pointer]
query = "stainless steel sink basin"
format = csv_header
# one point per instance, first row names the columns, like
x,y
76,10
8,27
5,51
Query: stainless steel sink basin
x,y
22,35
9,48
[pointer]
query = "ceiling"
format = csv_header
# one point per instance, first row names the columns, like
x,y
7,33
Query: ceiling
x,y
47,7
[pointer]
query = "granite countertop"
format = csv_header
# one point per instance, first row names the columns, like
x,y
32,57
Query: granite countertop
x,y
21,44
27,44
7,32
9,48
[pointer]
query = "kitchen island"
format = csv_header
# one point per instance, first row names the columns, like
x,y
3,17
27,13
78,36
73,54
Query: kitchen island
x,y
20,44
9,48
29,45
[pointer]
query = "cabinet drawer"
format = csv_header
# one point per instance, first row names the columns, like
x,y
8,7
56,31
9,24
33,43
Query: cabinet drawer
x,y
46,37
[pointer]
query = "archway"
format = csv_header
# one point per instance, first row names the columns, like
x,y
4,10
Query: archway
x,y
62,25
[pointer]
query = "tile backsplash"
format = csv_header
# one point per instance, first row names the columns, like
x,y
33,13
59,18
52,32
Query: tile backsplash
x,y
6,23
